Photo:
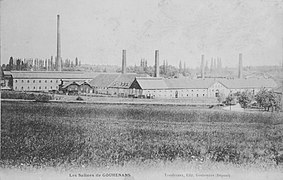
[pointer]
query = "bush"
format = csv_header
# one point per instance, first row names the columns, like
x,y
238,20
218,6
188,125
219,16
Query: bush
x,y
25,95
42,98
79,98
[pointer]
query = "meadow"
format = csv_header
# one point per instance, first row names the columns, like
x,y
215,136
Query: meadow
x,y
75,135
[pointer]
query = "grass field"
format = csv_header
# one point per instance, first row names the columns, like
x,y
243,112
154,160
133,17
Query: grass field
x,y
72,135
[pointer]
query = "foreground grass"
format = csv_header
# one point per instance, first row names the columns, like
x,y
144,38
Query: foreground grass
x,y
82,135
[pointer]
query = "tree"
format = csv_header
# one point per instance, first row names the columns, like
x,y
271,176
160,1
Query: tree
x,y
180,67
245,98
230,99
76,62
268,100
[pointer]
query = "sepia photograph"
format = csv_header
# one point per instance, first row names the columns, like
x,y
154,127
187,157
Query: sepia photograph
x,y
141,89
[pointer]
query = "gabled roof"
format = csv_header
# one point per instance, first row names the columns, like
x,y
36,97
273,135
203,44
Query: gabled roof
x,y
248,83
103,80
151,83
125,80
78,83
67,84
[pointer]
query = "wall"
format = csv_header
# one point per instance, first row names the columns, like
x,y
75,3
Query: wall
x,y
36,84
217,88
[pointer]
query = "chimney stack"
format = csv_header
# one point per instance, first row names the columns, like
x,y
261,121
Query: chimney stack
x,y
58,57
202,66
240,70
124,71
156,72
282,59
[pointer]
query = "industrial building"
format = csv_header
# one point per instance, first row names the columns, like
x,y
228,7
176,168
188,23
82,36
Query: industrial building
x,y
187,88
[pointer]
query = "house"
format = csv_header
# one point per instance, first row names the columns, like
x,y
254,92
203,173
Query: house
x,y
113,84
76,87
121,85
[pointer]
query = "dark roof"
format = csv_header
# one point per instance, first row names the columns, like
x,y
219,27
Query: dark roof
x,y
67,84
103,80
114,80
151,83
125,80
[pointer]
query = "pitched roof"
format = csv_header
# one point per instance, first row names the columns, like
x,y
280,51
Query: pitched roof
x,y
125,80
182,83
65,85
189,83
151,83
103,80
50,75
248,83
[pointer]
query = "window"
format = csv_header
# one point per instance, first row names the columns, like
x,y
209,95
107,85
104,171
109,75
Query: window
x,y
202,94
56,81
51,81
28,87
45,81
51,87
22,81
39,87
16,81
16,87
22,88
33,87
197,95
27,81
45,87
39,81
33,81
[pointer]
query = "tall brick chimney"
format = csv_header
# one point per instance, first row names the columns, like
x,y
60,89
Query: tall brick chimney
x,y
240,70
124,66
58,57
156,68
282,59
202,67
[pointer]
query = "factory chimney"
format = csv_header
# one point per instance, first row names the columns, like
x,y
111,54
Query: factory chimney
x,y
202,66
124,71
240,70
58,57
282,59
156,71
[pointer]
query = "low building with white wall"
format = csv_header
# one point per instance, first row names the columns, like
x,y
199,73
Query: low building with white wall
x,y
187,88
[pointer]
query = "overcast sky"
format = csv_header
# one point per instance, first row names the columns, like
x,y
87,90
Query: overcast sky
x,y
96,31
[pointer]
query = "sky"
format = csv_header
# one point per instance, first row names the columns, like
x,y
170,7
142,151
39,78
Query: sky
x,y
96,31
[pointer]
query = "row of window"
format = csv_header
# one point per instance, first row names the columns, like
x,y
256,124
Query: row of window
x,y
179,91
35,81
22,88
181,95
